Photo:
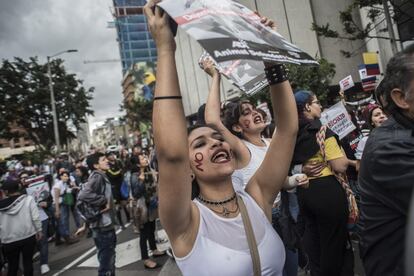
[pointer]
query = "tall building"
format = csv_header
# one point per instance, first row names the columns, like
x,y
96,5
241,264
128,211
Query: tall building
x,y
135,42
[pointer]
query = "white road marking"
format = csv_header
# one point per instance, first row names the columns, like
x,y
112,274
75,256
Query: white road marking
x,y
127,252
72,264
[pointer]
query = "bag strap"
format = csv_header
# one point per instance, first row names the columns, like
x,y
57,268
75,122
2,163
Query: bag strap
x,y
251,239
342,179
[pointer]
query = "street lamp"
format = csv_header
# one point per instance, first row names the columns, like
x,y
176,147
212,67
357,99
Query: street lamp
x,y
52,97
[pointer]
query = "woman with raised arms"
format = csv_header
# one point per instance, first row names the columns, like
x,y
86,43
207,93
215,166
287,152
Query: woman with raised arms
x,y
210,235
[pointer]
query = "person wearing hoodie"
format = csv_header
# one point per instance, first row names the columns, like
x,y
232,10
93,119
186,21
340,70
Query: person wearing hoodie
x,y
98,193
20,227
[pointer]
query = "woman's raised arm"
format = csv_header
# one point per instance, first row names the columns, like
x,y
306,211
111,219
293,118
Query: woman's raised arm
x,y
212,116
170,131
271,175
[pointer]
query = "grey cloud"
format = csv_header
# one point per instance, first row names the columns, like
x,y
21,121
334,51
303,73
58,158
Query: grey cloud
x,y
45,27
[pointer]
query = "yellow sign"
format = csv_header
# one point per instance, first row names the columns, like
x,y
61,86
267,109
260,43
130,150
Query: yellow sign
x,y
370,58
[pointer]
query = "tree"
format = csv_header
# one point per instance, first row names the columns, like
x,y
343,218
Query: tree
x,y
314,78
139,112
377,14
25,106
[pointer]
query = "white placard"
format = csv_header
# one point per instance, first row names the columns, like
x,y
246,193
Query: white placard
x,y
346,83
38,188
338,120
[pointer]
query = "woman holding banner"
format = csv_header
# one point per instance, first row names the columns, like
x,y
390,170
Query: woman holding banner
x,y
221,232
324,204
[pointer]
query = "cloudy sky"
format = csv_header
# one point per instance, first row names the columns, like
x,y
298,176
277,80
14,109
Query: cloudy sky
x,y
46,27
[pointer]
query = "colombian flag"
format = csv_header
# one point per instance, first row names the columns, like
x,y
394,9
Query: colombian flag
x,y
371,63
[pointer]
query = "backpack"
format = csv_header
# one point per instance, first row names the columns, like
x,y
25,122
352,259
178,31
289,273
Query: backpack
x,y
89,213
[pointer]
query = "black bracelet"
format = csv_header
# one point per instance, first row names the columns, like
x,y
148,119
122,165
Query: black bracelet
x,y
168,98
276,74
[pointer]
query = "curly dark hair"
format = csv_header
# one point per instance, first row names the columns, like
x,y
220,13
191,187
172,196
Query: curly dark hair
x,y
232,113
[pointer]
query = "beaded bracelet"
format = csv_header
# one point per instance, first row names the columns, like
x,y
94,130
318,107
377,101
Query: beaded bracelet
x,y
276,74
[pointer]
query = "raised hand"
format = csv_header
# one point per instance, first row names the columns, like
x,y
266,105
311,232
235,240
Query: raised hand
x,y
159,26
209,68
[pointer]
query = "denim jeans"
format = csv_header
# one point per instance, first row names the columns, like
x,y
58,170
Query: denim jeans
x,y
64,220
43,244
105,242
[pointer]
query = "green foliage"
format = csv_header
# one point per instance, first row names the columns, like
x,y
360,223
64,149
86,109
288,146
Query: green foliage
x,y
139,112
25,101
314,78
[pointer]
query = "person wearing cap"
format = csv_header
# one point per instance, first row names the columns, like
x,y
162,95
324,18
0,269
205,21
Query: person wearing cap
x,y
20,227
323,205
387,172
374,116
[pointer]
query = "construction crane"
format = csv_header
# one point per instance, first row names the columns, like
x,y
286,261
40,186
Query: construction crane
x,y
101,61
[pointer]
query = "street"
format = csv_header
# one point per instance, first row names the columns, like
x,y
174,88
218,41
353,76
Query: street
x,y
80,258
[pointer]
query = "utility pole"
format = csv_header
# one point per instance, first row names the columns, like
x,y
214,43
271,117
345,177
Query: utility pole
x,y
390,27
52,99
52,102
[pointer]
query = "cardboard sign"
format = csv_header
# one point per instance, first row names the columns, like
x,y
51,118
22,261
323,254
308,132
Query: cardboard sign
x,y
38,188
346,83
246,75
229,31
338,120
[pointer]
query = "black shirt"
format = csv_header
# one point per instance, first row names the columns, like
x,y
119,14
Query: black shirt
x,y
386,182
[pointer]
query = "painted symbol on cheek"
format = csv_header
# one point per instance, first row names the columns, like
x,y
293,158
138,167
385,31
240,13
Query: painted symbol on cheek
x,y
199,160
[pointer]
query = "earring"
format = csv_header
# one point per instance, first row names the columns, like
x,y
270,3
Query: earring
x,y
192,176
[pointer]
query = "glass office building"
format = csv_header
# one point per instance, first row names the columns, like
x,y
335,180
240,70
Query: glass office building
x,y
134,38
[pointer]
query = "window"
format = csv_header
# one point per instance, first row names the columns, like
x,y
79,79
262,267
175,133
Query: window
x,y
139,45
136,18
138,36
140,53
125,46
138,27
153,52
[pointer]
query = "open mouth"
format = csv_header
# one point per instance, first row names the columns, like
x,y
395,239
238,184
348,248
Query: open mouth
x,y
257,119
221,156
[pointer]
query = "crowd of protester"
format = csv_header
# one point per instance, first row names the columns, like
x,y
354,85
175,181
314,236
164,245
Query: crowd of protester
x,y
235,195
129,194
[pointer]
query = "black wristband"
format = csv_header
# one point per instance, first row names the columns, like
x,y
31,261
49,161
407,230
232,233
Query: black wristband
x,y
168,98
276,74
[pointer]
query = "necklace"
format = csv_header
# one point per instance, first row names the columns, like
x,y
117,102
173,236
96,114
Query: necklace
x,y
226,211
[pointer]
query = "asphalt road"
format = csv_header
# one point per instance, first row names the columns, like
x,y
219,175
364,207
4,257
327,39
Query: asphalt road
x,y
80,258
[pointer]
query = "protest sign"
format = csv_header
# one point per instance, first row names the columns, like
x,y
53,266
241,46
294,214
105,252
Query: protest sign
x,y
246,75
37,187
229,31
346,83
338,120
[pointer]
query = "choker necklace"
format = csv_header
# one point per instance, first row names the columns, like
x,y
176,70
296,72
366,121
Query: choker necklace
x,y
225,212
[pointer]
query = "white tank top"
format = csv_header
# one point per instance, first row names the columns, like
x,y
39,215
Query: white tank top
x,y
221,247
242,176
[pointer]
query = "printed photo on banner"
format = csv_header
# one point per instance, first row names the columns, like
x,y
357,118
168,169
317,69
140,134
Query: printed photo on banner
x,y
229,31
246,75
38,188
337,119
